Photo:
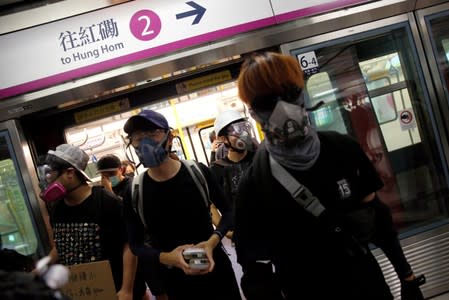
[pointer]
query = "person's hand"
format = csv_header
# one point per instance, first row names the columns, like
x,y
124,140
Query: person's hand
x,y
176,259
106,183
410,288
124,295
209,247
216,143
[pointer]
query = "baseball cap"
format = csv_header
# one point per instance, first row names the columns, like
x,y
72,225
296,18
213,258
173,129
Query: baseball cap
x,y
108,163
73,155
146,119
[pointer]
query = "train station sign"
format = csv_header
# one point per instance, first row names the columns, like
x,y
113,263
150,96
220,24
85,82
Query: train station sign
x,y
101,40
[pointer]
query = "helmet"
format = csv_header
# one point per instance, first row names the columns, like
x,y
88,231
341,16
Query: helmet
x,y
226,118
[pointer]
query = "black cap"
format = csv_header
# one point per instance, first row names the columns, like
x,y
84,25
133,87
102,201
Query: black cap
x,y
107,163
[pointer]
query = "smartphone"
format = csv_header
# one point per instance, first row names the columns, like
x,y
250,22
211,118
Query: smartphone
x,y
196,258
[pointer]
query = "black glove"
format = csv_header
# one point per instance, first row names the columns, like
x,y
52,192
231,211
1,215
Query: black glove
x,y
410,289
331,223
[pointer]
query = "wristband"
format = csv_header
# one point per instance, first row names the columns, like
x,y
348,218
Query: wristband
x,y
220,235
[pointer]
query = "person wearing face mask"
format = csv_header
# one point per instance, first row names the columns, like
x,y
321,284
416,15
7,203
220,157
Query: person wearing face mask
x,y
112,175
113,180
294,202
74,207
176,217
234,132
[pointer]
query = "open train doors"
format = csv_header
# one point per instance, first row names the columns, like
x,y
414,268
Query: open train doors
x,y
372,85
22,227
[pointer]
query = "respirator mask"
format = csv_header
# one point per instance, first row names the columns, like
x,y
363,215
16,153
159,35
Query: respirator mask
x,y
284,119
50,190
151,153
242,131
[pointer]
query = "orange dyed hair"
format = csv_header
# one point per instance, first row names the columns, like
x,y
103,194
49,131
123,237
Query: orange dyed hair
x,y
268,74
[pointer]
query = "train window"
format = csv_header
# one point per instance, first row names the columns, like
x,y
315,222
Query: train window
x,y
206,142
438,33
445,44
372,88
16,228
106,136
329,116
389,95
178,148
384,105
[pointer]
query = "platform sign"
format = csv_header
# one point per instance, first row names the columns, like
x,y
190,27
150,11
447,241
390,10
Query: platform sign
x,y
64,50
309,63
286,10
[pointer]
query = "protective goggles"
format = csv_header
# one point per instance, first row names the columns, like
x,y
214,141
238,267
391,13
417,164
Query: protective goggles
x,y
239,128
46,174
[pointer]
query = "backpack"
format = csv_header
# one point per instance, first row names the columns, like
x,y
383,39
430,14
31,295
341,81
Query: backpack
x,y
194,171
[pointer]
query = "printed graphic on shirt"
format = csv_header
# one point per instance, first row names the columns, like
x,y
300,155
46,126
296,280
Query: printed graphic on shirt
x,y
77,243
344,189
235,174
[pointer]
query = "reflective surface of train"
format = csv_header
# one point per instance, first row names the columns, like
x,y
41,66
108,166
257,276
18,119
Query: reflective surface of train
x,y
380,67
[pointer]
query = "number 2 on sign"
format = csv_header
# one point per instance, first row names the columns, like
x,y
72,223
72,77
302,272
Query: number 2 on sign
x,y
145,25
146,30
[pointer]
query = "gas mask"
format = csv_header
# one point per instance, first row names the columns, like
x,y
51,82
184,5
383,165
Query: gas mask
x,y
242,131
50,189
284,120
151,154
54,191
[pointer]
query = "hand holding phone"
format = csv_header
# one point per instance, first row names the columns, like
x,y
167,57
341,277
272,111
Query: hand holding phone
x,y
196,258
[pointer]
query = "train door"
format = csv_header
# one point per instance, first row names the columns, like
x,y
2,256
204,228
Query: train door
x,y
370,80
433,23
21,224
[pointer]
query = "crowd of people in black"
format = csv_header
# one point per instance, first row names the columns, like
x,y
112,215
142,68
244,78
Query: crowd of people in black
x,y
300,207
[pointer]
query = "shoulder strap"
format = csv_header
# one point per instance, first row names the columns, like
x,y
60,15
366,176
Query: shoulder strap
x,y
137,196
198,178
299,192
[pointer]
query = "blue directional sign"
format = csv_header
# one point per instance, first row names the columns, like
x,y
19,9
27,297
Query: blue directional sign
x,y
198,10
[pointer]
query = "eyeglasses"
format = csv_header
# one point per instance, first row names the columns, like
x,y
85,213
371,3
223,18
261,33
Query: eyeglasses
x,y
135,138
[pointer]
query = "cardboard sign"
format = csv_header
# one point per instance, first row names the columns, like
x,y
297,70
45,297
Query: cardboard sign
x,y
91,281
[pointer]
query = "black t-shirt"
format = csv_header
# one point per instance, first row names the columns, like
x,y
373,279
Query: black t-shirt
x,y
228,173
271,225
91,231
175,213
